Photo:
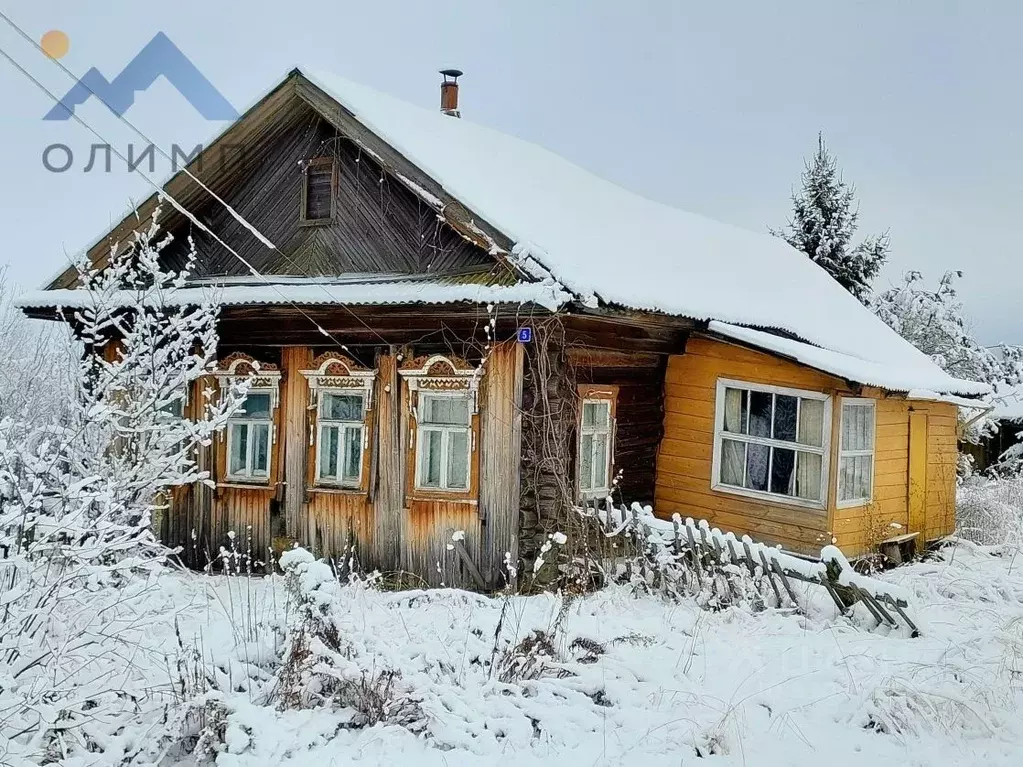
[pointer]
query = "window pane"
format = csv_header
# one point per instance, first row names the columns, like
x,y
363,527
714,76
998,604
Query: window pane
x,y
735,410
811,422
808,476
785,417
353,454
239,439
757,459
783,464
257,405
429,472
586,462
854,477
600,456
260,448
857,427
596,414
445,410
175,408
733,459
458,460
341,407
328,451
760,413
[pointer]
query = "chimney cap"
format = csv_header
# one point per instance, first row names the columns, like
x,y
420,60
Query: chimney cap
x,y
452,73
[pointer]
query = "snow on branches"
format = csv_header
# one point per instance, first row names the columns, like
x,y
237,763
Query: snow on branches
x,y
824,220
933,321
77,553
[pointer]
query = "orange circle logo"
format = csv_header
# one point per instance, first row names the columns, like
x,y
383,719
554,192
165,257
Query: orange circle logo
x,y
55,44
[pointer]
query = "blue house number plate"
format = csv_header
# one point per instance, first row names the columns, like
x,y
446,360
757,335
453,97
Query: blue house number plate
x,y
525,335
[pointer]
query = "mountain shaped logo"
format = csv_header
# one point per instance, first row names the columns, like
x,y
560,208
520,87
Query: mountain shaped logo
x,y
159,57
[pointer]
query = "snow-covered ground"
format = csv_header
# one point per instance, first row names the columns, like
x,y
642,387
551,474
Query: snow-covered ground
x,y
633,679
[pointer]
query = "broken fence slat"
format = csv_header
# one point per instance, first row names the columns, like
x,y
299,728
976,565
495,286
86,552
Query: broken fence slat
x,y
895,603
834,594
872,602
865,598
750,562
695,550
770,579
785,581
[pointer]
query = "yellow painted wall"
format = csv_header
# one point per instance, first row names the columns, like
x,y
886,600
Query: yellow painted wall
x,y
684,462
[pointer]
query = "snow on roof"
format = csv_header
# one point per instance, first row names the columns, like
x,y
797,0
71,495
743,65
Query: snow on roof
x,y
598,239
548,295
905,377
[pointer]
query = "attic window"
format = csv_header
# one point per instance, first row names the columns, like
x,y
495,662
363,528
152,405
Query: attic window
x,y
319,186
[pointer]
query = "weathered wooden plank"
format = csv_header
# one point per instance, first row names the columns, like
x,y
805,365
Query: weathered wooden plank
x,y
389,496
295,400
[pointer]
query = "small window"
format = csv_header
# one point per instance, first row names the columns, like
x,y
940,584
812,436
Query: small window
x,y
341,439
318,190
444,441
249,434
856,453
596,443
771,442
175,409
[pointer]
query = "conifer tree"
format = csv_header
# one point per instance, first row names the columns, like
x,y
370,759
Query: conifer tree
x,y
824,220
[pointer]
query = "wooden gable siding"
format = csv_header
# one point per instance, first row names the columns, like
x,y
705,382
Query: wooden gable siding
x,y
684,461
378,225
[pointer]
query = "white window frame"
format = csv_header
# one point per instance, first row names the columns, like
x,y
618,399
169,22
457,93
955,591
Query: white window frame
x,y
247,475
719,434
340,481
591,493
850,502
445,430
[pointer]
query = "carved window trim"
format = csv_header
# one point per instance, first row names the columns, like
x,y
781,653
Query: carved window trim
x,y
337,374
263,377
448,377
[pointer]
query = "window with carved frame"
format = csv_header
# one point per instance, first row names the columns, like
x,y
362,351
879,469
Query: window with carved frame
x,y
251,433
340,404
443,394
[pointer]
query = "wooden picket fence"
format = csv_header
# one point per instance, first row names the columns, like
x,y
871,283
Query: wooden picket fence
x,y
707,551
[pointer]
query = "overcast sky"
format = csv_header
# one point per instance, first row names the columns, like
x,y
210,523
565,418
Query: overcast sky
x,y
707,106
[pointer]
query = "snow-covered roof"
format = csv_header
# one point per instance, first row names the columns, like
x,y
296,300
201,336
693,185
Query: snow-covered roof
x,y
311,292
600,240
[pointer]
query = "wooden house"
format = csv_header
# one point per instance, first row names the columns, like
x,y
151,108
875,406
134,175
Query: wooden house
x,y
460,335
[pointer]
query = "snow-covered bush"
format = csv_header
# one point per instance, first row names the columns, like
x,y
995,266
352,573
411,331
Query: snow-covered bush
x,y
326,665
79,564
989,512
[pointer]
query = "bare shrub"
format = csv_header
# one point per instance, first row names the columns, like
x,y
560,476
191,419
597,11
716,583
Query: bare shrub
x,y
989,512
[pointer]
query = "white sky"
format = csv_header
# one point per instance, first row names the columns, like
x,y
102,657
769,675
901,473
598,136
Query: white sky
x,y
706,106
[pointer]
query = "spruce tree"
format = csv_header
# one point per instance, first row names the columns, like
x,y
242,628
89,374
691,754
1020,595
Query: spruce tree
x,y
824,220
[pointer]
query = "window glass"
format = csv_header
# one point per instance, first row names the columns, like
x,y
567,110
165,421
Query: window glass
x,y
856,452
239,438
445,410
785,417
261,448
430,442
596,414
256,405
341,407
760,413
352,454
736,407
774,444
328,447
458,460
